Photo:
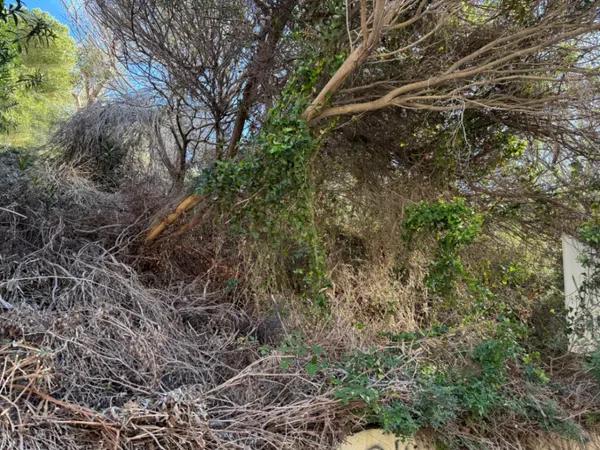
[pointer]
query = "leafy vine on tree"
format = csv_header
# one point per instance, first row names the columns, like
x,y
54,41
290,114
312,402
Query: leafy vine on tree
x,y
454,225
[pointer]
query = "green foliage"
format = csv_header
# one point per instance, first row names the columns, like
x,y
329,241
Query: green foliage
x,y
274,176
590,233
453,395
314,355
361,374
8,78
453,225
449,395
10,11
398,419
108,163
593,364
522,11
272,179
547,414
440,394
36,78
482,146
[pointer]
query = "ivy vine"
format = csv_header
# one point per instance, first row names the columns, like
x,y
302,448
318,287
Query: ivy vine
x,y
268,191
453,225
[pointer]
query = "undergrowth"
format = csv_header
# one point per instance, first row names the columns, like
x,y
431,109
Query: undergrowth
x,y
94,357
489,392
453,225
105,356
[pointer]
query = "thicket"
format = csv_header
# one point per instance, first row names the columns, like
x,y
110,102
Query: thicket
x,y
474,402
377,246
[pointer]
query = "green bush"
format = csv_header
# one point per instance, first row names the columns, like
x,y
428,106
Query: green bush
x,y
453,225
498,378
593,364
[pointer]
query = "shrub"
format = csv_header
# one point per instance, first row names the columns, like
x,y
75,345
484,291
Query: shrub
x,y
453,225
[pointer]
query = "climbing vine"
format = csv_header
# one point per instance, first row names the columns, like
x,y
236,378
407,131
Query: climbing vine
x,y
453,225
268,190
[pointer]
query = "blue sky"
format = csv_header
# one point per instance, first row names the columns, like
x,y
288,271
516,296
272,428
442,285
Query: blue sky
x,y
54,7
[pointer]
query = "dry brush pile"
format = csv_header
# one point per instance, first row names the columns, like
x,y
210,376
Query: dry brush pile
x,y
102,348
91,357
365,237
104,344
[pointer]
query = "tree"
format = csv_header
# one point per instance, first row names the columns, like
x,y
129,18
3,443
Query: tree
x,y
478,57
525,69
40,78
94,72
212,65
9,50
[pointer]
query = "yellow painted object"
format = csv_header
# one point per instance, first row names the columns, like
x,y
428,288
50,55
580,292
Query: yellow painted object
x,y
378,440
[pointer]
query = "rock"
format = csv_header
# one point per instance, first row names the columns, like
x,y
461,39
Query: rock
x,y
271,331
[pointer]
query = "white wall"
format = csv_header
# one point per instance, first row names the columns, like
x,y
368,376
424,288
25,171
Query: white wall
x,y
583,314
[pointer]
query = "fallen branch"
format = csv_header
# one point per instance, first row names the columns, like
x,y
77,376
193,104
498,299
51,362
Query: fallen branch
x,y
188,203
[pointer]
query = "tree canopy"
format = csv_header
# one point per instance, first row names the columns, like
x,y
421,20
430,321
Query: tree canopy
x,y
38,77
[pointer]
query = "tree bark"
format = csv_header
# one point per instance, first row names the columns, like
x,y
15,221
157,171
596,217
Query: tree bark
x,y
255,75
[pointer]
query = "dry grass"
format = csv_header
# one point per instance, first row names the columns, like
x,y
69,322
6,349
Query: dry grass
x,y
367,302
91,357
378,279
106,346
